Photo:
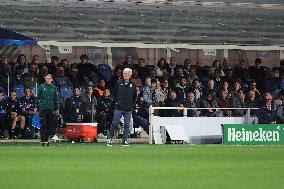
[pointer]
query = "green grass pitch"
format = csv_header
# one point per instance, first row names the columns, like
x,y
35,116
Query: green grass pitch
x,y
83,166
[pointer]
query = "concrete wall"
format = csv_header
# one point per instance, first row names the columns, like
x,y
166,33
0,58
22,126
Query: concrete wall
x,y
269,58
99,55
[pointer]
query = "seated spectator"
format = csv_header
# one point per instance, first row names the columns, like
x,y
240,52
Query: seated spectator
x,y
5,61
191,103
239,102
31,78
252,102
216,65
66,66
74,77
164,91
271,84
3,120
223,102
99,89
267,113
281,68
140,121
74,107
179,72
210,87
197,89
281,81
236,85
35,60
162,66
61,79
172,66
225,87
52,66
87,71
253,86
279,101
182,89
218,81
14,115
28,107
128,63
135,78
151,94
104,113
42,73
187,67
241,72
172,101
192,75
210,102
142,108
22,60
143,71
6,77
257,73
18,76
89,104
117,75
280,114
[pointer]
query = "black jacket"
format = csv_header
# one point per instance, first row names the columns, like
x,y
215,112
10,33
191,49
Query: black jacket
x,y
266,116
124,96
73,108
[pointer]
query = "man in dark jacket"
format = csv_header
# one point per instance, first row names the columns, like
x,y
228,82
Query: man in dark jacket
x,y
74,107
124,97
3,122
104,113
267,114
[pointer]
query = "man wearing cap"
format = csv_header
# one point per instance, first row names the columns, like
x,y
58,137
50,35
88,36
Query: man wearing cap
x,y
124,97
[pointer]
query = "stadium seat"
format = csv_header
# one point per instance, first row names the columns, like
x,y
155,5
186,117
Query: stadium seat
x,y
19,90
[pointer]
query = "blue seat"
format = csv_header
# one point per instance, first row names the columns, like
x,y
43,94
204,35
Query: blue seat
x,y
65,91
19,90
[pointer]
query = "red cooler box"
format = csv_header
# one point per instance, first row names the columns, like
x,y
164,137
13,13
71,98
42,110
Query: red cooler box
x,y
86,132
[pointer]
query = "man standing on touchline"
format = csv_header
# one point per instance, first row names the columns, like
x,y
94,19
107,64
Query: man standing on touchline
x,y
48,108
124,97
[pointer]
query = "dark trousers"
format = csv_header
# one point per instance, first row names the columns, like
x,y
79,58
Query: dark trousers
x,y
47,123
116,118
104,120
139,121
3,126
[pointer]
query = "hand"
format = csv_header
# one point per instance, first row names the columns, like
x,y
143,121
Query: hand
x,y
13,113
56,112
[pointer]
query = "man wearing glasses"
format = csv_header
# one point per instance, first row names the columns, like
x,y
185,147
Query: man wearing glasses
x,y
267,113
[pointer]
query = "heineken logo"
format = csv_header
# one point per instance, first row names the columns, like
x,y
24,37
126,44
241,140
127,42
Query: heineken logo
x,y
253,134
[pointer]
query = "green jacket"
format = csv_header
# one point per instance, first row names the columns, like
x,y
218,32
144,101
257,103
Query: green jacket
x,y
47,97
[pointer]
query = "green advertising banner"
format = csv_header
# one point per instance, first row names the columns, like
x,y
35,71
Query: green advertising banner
x,y
253,134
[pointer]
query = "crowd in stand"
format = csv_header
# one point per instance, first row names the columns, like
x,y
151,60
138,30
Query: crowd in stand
x,y
84,90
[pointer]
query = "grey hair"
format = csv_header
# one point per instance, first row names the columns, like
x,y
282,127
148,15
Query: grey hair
x,y
128,70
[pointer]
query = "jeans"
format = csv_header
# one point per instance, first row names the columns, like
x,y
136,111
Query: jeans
x,y
116,118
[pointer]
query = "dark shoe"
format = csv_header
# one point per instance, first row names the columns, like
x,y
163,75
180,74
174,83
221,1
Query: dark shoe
x,y
109,142
124,143
44,144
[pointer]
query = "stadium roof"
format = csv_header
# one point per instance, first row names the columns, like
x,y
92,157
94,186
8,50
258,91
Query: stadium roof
x,y
232,22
